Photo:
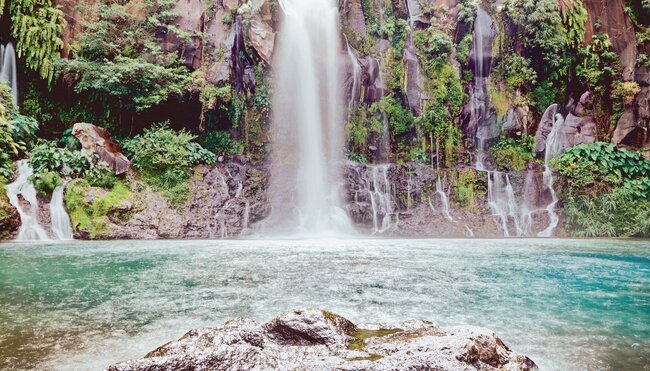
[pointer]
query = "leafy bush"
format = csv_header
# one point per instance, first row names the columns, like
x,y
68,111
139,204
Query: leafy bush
x,y
118,61
435,45
219,142
513,154
618,213
165,158
16,132
466,186
51,162
588,164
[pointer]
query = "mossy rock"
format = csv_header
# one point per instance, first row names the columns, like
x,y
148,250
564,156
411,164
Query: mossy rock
x,y
9,218
93,209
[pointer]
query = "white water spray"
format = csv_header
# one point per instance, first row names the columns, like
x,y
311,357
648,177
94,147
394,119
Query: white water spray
x,y
30,229
8,71
308,125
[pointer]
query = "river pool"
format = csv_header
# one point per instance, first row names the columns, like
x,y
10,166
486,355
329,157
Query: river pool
x,y
567,304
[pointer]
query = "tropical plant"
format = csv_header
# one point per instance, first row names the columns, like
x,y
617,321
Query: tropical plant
x,y
165,157
38,27
513,153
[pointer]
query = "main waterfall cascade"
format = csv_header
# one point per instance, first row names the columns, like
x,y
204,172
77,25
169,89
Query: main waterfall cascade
x,y
8,72
308,130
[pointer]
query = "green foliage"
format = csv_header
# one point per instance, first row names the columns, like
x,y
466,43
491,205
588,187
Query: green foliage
x,y
516,71
49,162
221,143
165,158
513,153
400,122
38,27
601,166
16,133
574,17
93,217
466,187
435,45
618,213
117,60
395,30
133,83
599,67
464,48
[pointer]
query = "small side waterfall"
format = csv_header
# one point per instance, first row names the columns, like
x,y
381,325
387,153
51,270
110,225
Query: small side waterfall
x,y
552,149
30,229
512,215
444,200
308,130
380,192
61,226
8,72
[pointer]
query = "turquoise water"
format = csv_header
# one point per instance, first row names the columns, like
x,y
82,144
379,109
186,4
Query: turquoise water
x,y
568,304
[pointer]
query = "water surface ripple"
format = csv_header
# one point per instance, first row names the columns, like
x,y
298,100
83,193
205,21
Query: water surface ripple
x,y
568,304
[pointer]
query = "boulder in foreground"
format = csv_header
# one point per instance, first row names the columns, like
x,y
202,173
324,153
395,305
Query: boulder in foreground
x,y
320,340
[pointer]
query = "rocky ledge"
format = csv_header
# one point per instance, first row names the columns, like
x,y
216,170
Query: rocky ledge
x,y
312,339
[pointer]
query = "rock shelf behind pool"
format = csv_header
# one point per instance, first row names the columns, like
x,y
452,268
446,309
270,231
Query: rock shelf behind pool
x,y
312,339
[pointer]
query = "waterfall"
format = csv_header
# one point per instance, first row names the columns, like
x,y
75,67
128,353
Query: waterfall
x,y
377,190
61,227
30,229
444,200
552,149
356,76
507,210
307,126
481,56
8,72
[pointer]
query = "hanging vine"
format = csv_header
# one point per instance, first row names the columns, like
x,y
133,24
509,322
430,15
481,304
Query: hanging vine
x,y
37,26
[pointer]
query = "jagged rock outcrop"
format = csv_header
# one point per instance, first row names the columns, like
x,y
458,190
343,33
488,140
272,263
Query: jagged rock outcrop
x,y
96,139
633,127
320,340
224,201
578,126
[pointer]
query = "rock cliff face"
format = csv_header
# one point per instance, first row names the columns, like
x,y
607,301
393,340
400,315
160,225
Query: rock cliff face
x,y
315,339
408,200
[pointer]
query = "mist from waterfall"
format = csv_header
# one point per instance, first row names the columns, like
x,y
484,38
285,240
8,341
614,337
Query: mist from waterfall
x,y
308,130
8,70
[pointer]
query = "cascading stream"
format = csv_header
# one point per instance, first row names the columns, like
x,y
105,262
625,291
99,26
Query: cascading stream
x,y
30,229
307,126
552,149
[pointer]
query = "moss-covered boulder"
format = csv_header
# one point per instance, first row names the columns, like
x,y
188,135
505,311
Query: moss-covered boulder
x,y
9,218
92,210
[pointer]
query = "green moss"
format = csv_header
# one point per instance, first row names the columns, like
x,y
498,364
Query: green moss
x,y
93,218
360,336
372,357
500,100
467,185
513,154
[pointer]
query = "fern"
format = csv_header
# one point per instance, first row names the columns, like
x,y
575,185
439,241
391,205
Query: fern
x,y
38,27
574,17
